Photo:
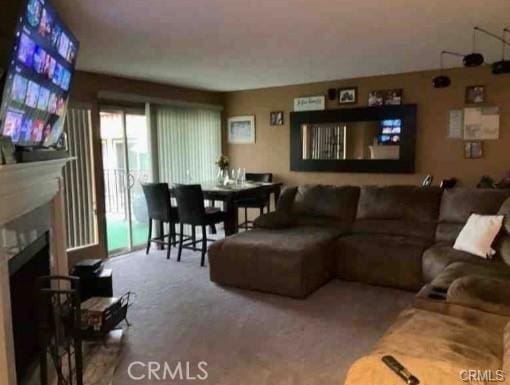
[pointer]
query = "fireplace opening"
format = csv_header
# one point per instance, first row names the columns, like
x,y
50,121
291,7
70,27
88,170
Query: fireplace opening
x,y
24,269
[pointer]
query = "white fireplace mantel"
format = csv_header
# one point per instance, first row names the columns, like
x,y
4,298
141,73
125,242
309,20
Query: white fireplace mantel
x,y
23,188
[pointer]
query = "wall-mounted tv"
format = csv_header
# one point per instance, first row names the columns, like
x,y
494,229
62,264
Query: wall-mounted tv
x,y
38,80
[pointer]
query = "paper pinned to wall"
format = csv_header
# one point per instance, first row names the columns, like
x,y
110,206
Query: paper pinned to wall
x,y
481,123
455,124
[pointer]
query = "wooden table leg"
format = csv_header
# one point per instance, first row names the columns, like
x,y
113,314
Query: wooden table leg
x,y
231,220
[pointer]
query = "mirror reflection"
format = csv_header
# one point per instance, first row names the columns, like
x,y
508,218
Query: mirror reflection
x,y
352,140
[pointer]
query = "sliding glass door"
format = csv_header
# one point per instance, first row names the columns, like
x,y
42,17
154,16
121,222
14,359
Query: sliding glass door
x,y
127,164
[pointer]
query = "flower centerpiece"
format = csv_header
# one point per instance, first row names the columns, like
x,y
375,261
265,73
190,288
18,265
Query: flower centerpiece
x,y
223,162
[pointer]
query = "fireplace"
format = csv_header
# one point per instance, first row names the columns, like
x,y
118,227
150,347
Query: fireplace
x,y
24,269
25,189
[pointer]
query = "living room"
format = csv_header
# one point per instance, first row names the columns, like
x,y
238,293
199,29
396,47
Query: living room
x,y
262,192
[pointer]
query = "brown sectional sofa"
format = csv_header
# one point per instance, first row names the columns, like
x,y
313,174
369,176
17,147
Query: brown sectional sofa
x,y
393,236
398,236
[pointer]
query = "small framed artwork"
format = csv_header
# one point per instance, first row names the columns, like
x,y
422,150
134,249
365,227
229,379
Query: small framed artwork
x,y
276,118
473,150
241,129
348,95
475,94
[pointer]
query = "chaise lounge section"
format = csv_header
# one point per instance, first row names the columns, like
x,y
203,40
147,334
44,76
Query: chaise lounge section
x,y
294,256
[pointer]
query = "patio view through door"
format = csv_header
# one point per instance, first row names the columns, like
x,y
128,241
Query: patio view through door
x,y
126,164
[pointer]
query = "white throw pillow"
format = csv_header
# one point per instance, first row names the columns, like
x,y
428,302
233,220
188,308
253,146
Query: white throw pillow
x,y
478,233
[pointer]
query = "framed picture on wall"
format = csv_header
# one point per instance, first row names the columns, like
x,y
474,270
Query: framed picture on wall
x,y
475,94
241,129
473,150
276,118
348,95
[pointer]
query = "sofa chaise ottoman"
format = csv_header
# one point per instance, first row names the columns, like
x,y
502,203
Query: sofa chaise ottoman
x,y
291,262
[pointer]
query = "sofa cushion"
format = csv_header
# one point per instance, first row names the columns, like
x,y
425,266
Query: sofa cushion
x,y
506,349
275,220
286,199
385,260
437,257
407,203
459,203
434,347
326,201
421,230
502,245
293,261
480,292
456,270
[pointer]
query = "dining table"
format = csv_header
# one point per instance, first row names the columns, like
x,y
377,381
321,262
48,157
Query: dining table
x,y
231,193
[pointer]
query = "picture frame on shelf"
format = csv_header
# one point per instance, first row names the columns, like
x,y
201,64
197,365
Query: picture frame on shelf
x,y
393,97
390,97
276,118
473,150
475,94
347,95
241,129
375,98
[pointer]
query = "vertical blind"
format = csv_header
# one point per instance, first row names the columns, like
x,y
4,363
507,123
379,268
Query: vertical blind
x,y
189,142
79,180
323,141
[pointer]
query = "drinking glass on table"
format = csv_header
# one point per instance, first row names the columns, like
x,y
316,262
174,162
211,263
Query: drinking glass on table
x,y
234,176
242,175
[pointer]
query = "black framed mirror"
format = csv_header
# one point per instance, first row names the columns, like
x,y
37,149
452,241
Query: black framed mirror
x,y
369,139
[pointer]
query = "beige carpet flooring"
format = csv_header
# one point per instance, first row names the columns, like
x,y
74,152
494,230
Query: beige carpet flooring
x,y
246,338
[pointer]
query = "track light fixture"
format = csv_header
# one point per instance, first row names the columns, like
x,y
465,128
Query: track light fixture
x,y
474,59
502,66
443,81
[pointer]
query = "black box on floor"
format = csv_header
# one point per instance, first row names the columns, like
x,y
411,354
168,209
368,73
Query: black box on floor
x,y
98,284
88,267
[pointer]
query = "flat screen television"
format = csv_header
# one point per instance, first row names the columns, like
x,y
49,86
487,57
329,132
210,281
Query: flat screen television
x,y
389,132
38,79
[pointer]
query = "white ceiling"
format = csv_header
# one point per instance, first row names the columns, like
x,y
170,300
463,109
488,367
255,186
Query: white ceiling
x,y
243,44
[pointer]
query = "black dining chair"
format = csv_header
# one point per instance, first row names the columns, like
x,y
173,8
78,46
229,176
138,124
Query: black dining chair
x,y
190,205
159,207
261,201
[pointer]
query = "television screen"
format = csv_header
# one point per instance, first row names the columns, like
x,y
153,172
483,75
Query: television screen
x,y
38,81
390,131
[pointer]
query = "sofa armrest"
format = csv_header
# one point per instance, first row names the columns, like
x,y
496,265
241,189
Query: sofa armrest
x,y
275,220
483,293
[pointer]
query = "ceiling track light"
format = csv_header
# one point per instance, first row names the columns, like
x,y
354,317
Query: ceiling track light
x,y
502,66
443,81
474,59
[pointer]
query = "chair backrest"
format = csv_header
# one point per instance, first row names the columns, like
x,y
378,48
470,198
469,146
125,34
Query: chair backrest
x,y
260,177
190,203
157,196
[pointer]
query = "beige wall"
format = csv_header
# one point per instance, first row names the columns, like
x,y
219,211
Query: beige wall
x,y
434,153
